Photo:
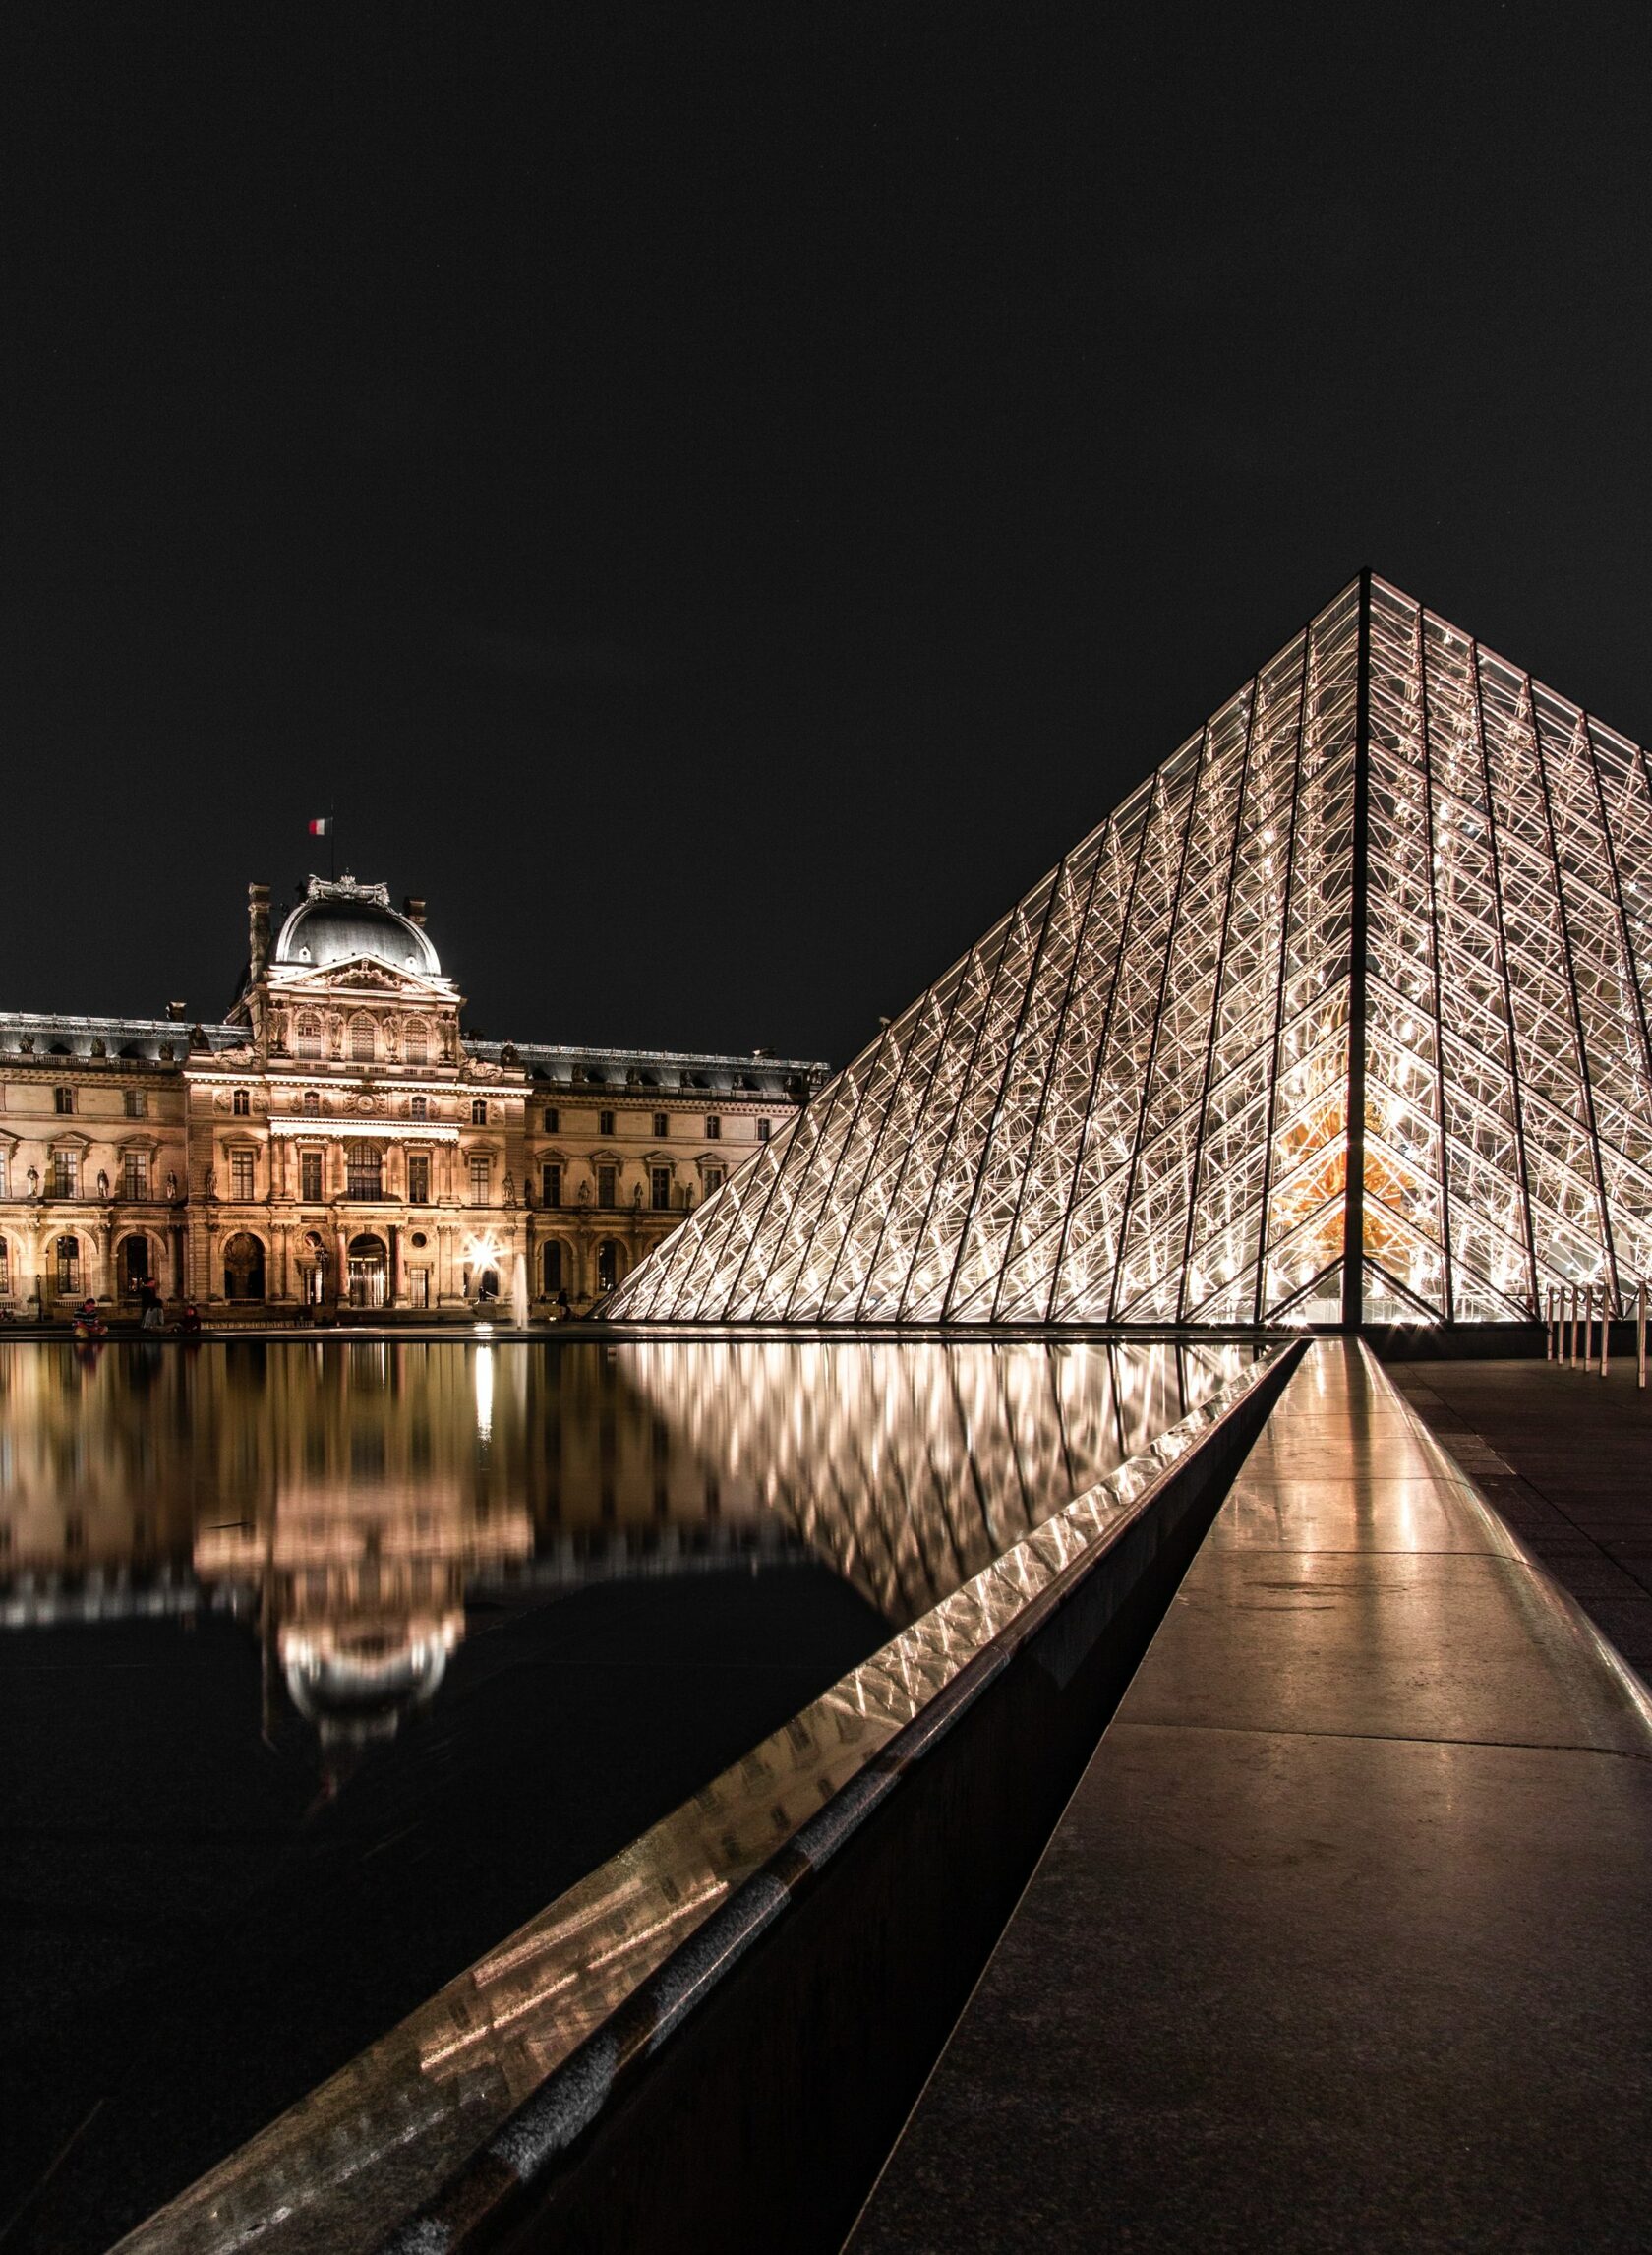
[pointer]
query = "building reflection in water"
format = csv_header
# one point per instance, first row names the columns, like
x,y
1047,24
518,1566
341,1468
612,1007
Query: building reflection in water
x,y
346,1500
911,1467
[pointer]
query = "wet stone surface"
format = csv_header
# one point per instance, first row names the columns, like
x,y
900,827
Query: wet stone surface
x,y
1566,1457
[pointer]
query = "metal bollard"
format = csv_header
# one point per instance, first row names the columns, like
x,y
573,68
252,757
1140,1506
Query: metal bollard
x,y
1640,1336
1606,1325
1589,1324
1571,1326
1548,1323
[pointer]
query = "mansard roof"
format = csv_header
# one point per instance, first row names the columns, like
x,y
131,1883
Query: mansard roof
x,y
69,1035
637,1073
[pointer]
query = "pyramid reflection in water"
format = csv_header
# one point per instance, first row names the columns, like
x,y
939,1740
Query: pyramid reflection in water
x,y
1392,902
911,1468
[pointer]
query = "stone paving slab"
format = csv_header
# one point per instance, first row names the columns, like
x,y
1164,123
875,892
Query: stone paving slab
x,y
1566,1457
1326,1952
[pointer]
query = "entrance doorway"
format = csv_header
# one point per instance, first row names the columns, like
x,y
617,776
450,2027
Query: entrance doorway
x,y
243,1260
369,1272
134,1265
611,1264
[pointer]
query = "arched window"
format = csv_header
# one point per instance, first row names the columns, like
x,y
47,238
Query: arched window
x,y
312,1103
306,1035
243,1260
478,1111
363,1047
67,1259
419,1108
364,1170
241,1104
415,1041
5,1269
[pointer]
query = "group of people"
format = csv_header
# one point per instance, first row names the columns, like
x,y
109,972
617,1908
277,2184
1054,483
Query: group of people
x,y
152,1314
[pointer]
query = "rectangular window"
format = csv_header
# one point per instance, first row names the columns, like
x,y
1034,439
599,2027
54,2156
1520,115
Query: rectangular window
x,y
713,1179
659,1188
418,1288
763,1131
136,1103
241,1104
4,1192
5,1269
553,1121
65,1173
606,1185
551,1185
662,1124
364,1170
64,1098
481,1166
310,1176
478,1112
605,1124
135,1174
419,1108
241,1166
418,1177
714,1128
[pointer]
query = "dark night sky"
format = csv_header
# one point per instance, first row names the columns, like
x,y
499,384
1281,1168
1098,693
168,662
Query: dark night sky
x,y
720,497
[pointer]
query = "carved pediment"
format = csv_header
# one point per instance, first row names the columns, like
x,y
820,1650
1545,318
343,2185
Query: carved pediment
x,y
295,985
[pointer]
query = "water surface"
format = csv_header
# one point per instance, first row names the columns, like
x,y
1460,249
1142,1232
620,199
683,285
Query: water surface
x,y
327,1664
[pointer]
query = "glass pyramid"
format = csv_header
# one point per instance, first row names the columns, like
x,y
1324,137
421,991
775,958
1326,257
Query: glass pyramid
x,y
1368,960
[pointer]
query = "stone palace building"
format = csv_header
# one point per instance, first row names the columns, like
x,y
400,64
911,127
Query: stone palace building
x,y
338,1140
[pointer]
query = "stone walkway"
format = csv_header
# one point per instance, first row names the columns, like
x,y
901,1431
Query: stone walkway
x,y
1565,1457
1340,1942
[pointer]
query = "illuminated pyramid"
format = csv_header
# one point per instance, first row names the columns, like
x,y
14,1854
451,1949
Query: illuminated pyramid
x,y
1367,962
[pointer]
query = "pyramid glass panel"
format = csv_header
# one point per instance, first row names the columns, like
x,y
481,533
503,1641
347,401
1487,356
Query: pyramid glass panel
x,y
1366,963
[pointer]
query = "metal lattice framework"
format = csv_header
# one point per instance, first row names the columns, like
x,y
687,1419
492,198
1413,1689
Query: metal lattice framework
x,y
1367,960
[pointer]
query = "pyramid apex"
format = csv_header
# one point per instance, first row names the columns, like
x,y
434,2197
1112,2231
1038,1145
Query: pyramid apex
x,y
1343,1018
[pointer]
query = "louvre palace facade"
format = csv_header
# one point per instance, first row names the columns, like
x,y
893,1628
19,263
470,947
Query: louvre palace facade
x,y
338,1139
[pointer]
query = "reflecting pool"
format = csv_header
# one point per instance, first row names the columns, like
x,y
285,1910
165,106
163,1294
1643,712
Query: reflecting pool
x,y
326,1664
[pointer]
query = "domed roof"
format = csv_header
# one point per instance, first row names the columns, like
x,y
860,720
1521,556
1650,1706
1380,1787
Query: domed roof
x,y
341,920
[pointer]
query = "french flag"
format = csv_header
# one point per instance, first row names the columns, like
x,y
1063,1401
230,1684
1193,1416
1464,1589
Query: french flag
x,y
320,827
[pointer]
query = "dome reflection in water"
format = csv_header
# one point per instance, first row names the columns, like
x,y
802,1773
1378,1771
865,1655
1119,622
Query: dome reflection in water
x,y
345,1500
378,1648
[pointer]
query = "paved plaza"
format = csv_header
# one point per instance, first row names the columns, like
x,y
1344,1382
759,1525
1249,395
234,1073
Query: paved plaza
x,y
1565,1457
1338,1943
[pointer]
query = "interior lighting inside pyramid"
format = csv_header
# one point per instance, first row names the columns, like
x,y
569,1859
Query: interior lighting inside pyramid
x,y
1365,962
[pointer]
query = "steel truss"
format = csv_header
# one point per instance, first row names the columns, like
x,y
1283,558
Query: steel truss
x,y
1394,899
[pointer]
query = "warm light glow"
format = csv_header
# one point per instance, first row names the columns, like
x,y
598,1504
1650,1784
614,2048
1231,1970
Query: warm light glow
x,y
1135,1100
